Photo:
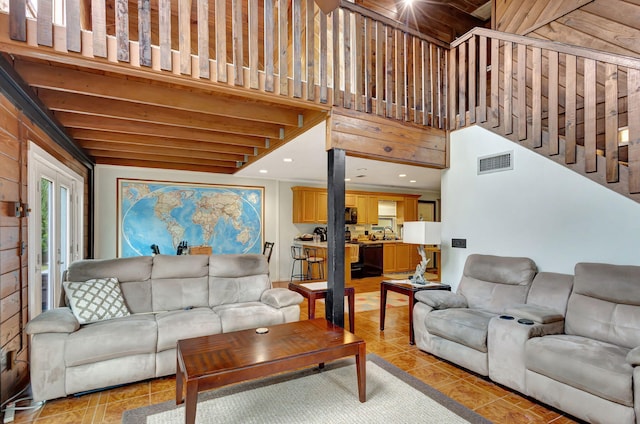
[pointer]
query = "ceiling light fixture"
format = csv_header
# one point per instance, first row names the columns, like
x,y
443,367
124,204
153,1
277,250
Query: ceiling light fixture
x,y
347,179
412,181
288,160
263,171
402,175
327,5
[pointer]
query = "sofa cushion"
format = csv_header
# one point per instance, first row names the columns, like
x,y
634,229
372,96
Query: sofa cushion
x,y
237,278
605,304
95,300
590,365
241,316
115,338
494,283
441,299
185,324
134,275
465,326
179,282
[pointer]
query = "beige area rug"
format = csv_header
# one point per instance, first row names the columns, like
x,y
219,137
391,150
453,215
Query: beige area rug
x,y
322,397
371,301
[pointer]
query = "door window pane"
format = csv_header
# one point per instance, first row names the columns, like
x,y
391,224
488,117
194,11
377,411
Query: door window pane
x,y
46,251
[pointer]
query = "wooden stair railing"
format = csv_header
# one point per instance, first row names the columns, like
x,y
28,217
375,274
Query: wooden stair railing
x,y
532,90
351,58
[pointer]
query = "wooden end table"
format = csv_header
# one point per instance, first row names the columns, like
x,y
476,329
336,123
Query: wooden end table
x,y
406,289
316,290
214,361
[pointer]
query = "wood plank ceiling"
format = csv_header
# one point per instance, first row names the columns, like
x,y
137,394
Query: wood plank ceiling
x,y
129,119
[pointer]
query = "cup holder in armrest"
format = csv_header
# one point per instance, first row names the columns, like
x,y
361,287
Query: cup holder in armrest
x,y
507,317
525,321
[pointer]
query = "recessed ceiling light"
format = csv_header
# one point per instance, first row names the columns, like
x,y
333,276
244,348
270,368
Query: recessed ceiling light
x,y
263,171
412,181
347,179
287,160
402,175
361,169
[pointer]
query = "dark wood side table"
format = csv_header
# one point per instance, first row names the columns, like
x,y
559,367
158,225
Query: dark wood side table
x,y
406,289
315,290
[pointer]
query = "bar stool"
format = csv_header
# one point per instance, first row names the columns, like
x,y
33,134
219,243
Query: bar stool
x,y
314,260
298,256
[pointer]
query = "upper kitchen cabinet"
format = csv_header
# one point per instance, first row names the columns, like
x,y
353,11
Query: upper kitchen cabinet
x,y
407,210
309,205
367,208
350,200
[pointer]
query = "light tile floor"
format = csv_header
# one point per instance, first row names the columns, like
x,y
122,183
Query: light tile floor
x,y
488,399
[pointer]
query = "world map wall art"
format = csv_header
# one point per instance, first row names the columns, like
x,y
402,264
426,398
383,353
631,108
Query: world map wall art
x,y
169,215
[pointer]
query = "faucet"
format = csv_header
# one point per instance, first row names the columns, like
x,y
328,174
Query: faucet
x,y
384,232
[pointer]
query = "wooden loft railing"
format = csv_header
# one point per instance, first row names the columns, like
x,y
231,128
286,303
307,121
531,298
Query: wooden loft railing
x,y
350,58
563,101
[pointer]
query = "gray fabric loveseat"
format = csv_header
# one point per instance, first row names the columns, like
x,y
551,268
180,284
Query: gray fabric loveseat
x,y
573,343
167,298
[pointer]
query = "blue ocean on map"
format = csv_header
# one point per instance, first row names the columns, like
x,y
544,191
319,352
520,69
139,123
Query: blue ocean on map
x,y
227,219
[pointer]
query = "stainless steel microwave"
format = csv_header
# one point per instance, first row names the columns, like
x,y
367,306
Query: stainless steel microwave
x,y
351,215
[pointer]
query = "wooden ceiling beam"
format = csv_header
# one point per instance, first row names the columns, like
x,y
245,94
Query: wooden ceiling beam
x,y
108,138
157,150
165,165
100,85
73,120
161,158
101,107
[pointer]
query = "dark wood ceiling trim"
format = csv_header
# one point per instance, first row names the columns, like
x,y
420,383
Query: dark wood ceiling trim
x,y
17,91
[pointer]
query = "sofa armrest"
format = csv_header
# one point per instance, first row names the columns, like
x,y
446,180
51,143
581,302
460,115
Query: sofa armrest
x,y
58,320
441,299
633,357
536,313
280,298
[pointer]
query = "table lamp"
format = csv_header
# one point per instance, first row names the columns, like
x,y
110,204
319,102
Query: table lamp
x,y
421,233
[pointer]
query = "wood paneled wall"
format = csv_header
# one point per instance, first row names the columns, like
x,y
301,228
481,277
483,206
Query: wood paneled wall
x,y
608,25
15,132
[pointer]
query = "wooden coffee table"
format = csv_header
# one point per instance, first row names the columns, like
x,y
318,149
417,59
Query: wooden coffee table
x,y
213,361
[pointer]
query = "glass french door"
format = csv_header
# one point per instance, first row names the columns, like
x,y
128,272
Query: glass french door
x,y
54,229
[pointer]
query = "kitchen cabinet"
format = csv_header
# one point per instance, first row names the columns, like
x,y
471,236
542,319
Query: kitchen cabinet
x,y
399,257
388,258
404,256
350,200
309,206
367,209
410,209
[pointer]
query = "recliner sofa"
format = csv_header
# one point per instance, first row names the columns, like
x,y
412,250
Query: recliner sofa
x,y
169,298
574,343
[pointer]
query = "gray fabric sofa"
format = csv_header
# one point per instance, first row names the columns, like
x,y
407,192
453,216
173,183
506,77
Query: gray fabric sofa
x,y
574,343
454,326
169,298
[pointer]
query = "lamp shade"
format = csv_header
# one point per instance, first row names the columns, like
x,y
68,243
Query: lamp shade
x,y
422,232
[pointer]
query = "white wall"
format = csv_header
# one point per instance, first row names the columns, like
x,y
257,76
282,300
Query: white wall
x,y
540,210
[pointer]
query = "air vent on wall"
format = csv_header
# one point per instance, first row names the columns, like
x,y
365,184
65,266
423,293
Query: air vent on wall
x,y
495,163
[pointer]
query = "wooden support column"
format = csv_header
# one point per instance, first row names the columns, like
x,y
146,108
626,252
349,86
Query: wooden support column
x,y
334,306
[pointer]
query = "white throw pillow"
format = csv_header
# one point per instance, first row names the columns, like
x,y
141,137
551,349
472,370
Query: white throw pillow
x,y
95,300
